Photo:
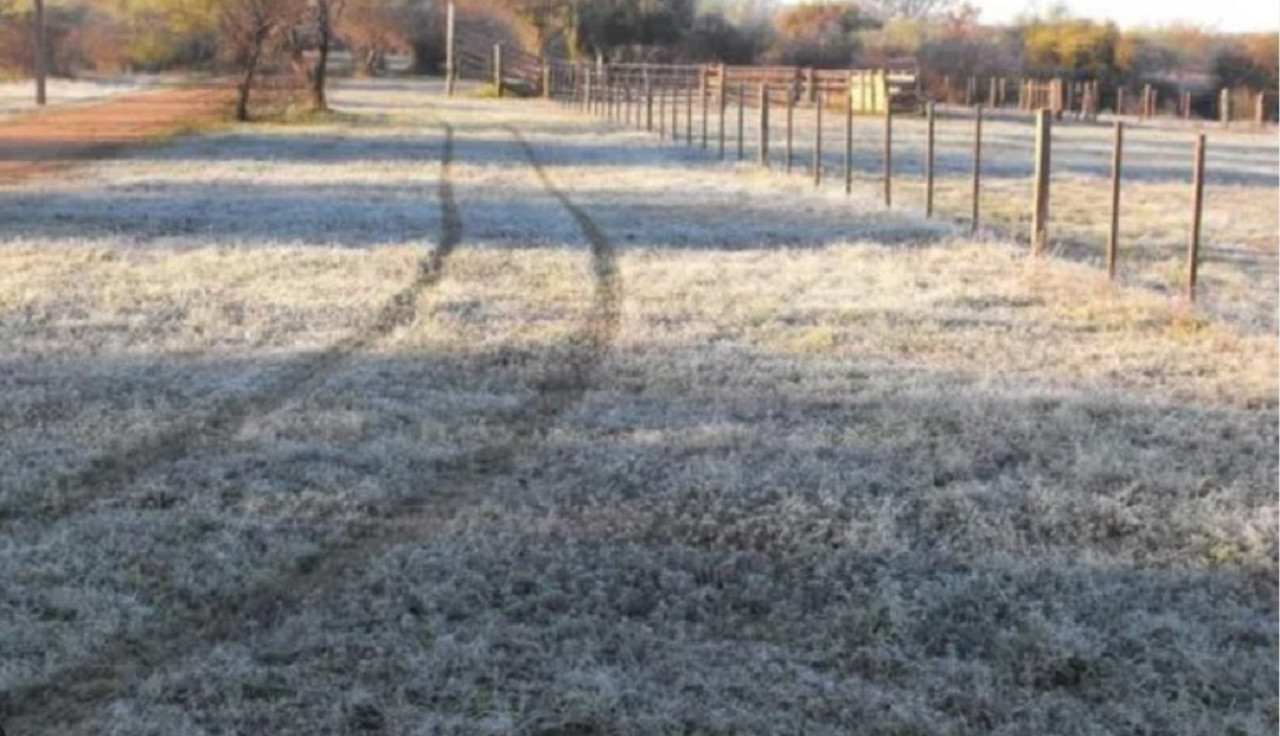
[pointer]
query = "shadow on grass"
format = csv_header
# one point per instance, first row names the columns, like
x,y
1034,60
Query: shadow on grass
x,y
1060,544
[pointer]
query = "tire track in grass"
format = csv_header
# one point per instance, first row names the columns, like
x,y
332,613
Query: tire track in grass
x,y
118,467
72,697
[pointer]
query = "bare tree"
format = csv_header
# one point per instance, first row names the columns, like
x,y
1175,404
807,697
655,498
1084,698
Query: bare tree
x,y
325,16
253,30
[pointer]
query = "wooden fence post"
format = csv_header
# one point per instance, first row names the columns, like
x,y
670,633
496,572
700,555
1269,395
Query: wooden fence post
x,y
662,113
546,80
791,119
888,156
817,141
1224,106
1260,109
810,86
1040,207
702,90
742,116
648,102
1113,237
763,147
675,112
977,168
688,115
1119,101
928,161
497,68
450,50
722,86
848,137
1197,208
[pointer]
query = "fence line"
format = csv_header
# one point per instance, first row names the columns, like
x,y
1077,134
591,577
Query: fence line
x,y
576,85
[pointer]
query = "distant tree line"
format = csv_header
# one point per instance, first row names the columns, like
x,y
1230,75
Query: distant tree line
x,y
254,37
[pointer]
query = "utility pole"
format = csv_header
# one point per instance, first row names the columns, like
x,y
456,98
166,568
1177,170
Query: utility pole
x,y
450,68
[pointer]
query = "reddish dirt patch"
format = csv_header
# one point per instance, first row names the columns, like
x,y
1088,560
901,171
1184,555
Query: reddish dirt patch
x,y
50,140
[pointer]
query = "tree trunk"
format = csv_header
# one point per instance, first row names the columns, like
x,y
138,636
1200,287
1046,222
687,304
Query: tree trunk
x,y
246,85
41,51
324,25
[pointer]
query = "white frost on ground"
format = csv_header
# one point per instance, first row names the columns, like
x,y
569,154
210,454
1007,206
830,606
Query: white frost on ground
x,y
826,469
20,96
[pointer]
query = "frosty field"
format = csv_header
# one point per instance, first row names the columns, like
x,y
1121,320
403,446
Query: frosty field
x,y
477,417
18,96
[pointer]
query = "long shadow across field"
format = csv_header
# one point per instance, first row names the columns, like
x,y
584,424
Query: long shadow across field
x,y
631,517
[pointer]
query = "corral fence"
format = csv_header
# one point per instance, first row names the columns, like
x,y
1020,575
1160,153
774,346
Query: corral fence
x,y
1086,99
708,106
697,104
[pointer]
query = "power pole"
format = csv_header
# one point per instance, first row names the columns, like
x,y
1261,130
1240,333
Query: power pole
x,y
450,70
41,65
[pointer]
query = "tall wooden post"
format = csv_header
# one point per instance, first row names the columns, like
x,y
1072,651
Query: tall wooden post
x,y
675,111
791,119
1040,206
450,48
648,102
702,90
763,146
1260,109
546,80
497,70
848,140
742,118
722,87
1197,208
817,140
1119,101
1113,237
928,162
888,156
1224,106
688,113
662,113
977,168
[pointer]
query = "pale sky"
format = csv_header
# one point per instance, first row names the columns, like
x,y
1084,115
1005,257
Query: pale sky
x,y
1224,15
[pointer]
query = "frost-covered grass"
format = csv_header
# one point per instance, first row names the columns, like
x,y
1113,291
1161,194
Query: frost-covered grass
x,y
19,95
1241,230
740,458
